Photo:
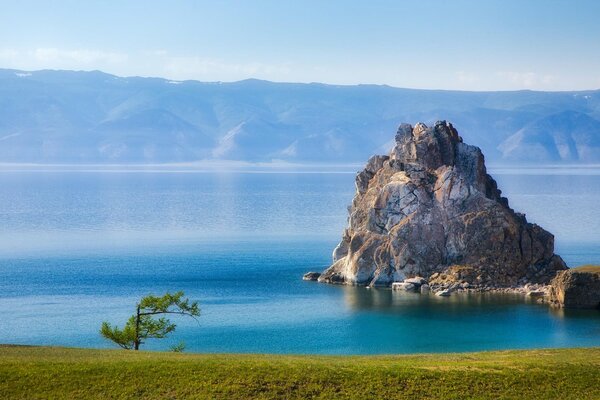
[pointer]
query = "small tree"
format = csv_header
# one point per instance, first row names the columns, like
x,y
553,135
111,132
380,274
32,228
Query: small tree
x,y
143,325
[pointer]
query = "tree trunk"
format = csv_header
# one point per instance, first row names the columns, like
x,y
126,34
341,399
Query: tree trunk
x,y
136,342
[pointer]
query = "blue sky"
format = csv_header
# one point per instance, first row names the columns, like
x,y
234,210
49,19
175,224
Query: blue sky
x,y
459,44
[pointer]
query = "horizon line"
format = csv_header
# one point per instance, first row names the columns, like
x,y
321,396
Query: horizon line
x,y
382,85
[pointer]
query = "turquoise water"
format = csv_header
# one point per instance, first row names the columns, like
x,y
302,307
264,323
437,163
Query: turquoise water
x,y
78,248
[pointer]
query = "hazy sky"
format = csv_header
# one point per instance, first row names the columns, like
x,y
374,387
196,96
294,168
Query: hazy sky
x,y
453,44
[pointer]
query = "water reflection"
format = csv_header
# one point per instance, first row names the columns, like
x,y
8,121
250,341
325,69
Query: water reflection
x,y
561,313
360,298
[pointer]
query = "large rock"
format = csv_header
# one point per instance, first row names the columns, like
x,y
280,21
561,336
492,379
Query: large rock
x,y
576,288
430,205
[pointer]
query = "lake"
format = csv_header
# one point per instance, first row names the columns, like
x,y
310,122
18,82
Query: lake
x,y
81,247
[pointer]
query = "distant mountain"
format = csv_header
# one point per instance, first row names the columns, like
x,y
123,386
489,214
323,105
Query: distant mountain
x,y
568,136
93,117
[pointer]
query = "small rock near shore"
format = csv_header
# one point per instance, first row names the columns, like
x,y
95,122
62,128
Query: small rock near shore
x,y
311,276
406,286
417,280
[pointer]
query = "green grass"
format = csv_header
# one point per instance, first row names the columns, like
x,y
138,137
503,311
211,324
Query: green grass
x,y
588,268
64,373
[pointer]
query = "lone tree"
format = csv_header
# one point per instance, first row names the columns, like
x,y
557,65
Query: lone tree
x,y
143,325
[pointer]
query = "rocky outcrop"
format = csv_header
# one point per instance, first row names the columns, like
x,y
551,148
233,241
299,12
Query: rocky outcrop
x,y
429,207
311,276
576,288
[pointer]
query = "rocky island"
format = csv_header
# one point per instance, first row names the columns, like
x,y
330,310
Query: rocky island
x,y
428,215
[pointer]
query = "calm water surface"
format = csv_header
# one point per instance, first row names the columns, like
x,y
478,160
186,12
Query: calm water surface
x,y
78,248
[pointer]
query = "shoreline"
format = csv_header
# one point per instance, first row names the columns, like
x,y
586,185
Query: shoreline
x,y
417,284
577,287
50,347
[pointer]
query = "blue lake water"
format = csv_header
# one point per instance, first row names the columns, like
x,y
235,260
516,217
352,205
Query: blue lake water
x,y
78,248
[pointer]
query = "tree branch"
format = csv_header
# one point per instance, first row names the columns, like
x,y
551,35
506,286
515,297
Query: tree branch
x,y
167,312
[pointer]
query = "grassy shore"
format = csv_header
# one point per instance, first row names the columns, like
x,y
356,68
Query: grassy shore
x,y
588,268
64,373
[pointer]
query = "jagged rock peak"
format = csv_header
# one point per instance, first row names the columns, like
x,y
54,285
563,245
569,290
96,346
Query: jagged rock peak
x,y
430,207
432,147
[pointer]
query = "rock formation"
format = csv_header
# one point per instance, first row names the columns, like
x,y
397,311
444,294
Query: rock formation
x,y
576,288
311,276
430,210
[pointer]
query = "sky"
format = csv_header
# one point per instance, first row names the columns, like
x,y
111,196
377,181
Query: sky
x,y
435,44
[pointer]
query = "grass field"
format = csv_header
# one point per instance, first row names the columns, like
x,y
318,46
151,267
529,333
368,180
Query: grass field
x,y
64,373
588,268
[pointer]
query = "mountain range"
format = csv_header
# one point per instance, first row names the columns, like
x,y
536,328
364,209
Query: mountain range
x,y
78,117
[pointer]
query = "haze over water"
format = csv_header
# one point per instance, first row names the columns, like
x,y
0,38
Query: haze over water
x,y
79,248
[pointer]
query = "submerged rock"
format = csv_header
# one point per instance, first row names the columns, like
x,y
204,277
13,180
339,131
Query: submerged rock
x,y
429,208
576,288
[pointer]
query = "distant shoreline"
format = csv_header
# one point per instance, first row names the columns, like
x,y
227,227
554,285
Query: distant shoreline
x,y
278,167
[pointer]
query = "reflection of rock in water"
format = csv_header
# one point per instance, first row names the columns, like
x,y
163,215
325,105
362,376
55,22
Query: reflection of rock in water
x,y
359,298
430,206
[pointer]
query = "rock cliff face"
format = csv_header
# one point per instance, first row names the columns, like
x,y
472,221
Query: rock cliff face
x,y
430,208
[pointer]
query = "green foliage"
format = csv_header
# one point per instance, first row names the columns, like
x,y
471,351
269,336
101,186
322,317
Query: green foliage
x,y
144,324
123,337
178,348
59,373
